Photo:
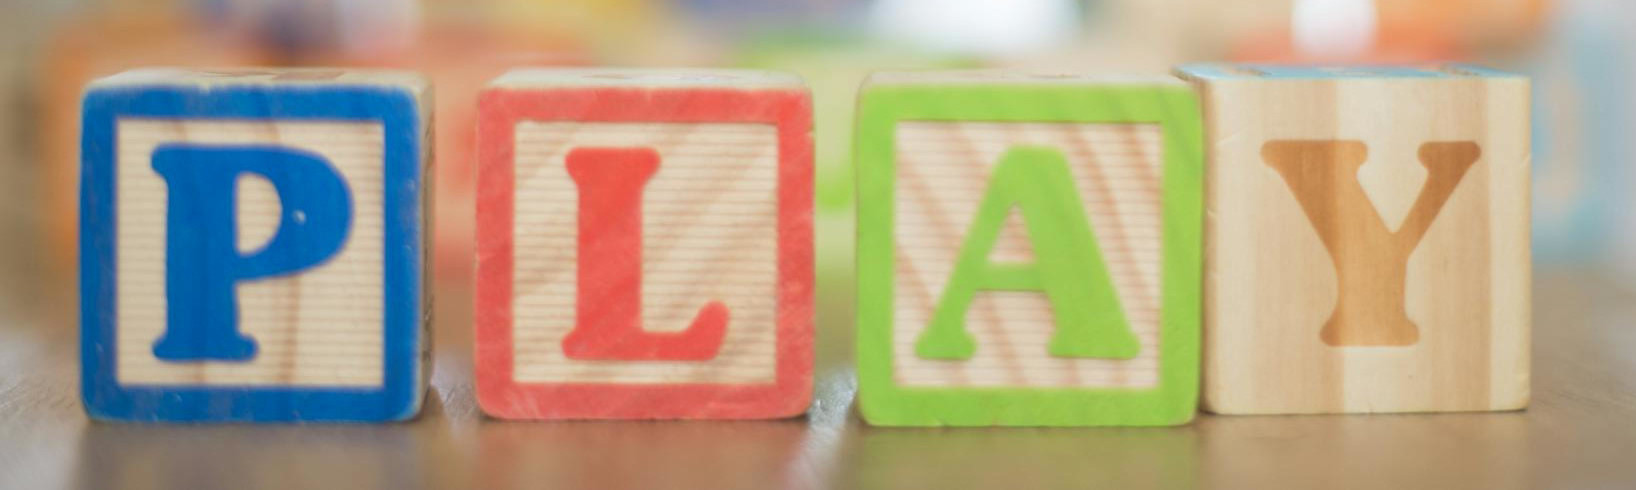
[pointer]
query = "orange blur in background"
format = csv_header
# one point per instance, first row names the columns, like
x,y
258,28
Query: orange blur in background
x,y
833,43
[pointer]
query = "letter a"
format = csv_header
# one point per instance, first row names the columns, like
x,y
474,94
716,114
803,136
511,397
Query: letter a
x,y
1067,267
202,262
609,309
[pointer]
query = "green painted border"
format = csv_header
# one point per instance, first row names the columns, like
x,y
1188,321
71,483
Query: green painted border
x,y
1173,106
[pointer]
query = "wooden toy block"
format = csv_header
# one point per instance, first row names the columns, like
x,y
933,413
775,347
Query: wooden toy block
x,y
251,245
1028,250
1368,239
644,245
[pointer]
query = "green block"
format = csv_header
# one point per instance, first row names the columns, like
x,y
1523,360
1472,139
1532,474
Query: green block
x,y
1028,250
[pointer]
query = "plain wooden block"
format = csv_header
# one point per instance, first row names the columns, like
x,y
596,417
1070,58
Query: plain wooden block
x,y
1028,250
644,244
252,244
1368,239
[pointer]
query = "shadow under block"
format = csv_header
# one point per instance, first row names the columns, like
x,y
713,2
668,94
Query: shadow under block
x,y
644,242
1028,250
251,245
1368,239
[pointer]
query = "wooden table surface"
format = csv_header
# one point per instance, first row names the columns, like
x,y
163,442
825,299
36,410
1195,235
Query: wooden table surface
x,y
1579,433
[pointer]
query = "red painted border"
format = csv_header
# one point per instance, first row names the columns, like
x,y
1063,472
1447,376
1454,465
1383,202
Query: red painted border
x,y
499,395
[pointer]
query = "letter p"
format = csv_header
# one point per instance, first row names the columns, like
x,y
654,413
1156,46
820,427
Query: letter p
x,y
203,265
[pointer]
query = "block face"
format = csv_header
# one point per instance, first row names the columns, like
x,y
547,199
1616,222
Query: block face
x,y
645,249
307,335
943,170
709,224
1369,242
1078,306
252,246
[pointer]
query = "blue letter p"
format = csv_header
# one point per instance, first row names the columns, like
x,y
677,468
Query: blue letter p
x,y
202,261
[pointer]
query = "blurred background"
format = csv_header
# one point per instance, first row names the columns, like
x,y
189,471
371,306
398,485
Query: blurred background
x,y
1580,54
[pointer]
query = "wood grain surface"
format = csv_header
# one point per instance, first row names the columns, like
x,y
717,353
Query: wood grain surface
x,y
319,328
1576,433
682,195
1274,289
976,190
943,170
1370,258
317,284
710,234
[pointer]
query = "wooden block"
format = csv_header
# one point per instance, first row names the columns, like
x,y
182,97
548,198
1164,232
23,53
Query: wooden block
x,y
251,245
1028,250
1368,242
644,244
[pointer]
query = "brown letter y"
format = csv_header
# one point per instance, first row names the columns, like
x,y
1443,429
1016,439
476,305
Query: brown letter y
x,y
1370,260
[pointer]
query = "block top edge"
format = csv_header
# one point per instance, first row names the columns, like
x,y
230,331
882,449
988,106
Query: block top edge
x,y
1255,71
645,78
1014,77
264,77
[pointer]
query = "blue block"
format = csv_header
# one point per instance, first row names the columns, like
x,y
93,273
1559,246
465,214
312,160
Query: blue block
x,y
344,153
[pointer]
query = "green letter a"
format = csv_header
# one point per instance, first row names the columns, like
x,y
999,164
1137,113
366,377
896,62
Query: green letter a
x,y
1067,264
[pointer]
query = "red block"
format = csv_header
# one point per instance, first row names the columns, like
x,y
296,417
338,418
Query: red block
x,y
644,245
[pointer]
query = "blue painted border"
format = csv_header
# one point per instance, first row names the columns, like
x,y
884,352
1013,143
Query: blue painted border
x,y
395,108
